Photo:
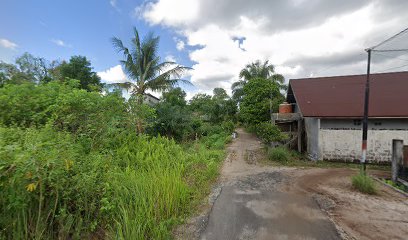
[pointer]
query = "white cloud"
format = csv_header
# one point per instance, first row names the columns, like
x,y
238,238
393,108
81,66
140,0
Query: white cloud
x,y
61,43
171,12
170,58
320,38
180,45
8,44
113,75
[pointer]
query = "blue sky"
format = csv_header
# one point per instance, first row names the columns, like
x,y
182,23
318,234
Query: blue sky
x,y
302,38
59,29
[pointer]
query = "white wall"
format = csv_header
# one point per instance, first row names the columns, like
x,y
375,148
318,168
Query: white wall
x,y
340,144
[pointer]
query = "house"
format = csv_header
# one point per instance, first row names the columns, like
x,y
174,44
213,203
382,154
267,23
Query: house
x,y
327,115
150,100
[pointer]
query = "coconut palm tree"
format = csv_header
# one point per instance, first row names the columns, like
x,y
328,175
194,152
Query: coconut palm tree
x,y
253,70
144,68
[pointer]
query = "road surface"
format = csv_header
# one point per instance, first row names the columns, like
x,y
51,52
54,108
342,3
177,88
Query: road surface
x,y
253,204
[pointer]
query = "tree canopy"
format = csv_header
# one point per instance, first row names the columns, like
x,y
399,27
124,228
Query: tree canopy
x,y
79,67
253,70
144,68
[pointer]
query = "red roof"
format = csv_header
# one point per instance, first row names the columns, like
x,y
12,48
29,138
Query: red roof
x,y
343,96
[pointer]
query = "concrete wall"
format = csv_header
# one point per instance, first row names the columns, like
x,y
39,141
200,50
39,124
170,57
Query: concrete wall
x,y
341,139
312,126
373,124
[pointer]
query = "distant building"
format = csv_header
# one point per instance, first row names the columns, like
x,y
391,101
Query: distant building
x,y
150,100
327,115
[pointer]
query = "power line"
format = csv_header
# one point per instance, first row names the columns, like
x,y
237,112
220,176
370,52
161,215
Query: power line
x,y
385,55
389,39
384,70
391,50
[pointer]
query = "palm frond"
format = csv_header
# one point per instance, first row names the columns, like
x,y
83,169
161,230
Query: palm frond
x,y
124,85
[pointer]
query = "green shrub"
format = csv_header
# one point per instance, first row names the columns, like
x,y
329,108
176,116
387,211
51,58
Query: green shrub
x,y
136,187
269,133
280,154
28,104
228,126
364,184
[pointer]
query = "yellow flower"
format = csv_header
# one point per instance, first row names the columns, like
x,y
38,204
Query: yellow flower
x,y
68,164
31,187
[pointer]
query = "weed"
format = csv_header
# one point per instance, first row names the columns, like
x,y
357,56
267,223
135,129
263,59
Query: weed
x,y
364,184
279,154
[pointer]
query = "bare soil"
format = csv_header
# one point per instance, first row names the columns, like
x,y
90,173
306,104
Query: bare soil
x,y
354,215
360,216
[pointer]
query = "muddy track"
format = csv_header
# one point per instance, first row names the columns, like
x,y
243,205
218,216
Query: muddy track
x,y
253,201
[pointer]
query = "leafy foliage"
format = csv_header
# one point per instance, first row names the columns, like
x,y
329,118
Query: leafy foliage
x,y
79,68
269,133
261,96
78,164
27,69
256,70
28,104
144,67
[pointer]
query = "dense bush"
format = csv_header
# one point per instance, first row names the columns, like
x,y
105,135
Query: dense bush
x,y
137,189
269,132
364,184
50,189
28,104
280,154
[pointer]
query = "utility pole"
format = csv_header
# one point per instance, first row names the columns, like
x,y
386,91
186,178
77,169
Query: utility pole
x,y
367,94
365,118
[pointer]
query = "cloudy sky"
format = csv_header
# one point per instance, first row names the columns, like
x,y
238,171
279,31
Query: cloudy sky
x,y
302,38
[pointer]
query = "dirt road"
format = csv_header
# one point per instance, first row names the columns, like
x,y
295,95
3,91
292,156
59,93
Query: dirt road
x,y
253,201
251,204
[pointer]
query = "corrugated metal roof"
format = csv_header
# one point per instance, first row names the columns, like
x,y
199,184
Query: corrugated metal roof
x,y
343,96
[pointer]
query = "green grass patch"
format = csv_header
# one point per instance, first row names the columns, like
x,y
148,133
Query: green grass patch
x,y
139,187
364,184
296,159
399,186
279,154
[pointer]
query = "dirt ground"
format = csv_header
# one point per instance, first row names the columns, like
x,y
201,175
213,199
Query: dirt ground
x,y
253,201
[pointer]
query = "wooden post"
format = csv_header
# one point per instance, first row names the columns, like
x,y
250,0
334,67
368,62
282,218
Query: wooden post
x,y
397,146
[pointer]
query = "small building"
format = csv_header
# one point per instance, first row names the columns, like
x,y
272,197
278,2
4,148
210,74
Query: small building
x,y
328,111
150,100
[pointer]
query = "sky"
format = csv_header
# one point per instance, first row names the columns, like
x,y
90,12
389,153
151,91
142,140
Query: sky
x,y
302,38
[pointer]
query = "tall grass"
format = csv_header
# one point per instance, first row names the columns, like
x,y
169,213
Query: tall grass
x,y
364,184
138,188
280,154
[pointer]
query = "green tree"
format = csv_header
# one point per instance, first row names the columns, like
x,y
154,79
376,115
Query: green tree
x,y
79,67
254,70
27,68
259,95
29,104
201,104
144,68
173,117
139,114
175,96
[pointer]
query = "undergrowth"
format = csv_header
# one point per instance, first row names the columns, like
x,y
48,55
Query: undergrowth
x,y
364,184
137,188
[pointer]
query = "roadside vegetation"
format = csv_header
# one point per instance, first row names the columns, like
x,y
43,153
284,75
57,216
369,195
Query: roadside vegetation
x,y
364,184
79,161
